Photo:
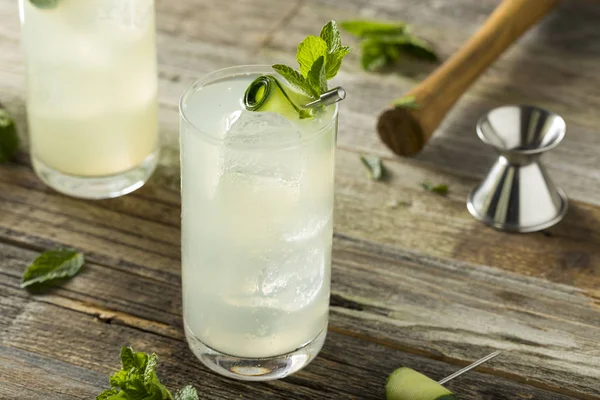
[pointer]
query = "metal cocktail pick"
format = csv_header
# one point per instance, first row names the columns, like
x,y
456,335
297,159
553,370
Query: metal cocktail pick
x,y
469,367
328,98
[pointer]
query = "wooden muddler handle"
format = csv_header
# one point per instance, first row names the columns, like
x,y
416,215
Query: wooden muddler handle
x,y
406,131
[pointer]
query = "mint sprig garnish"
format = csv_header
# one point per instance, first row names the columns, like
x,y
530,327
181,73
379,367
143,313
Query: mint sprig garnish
x,y
137,380
319,58
9,139
45,4
295,79
53,265
384,43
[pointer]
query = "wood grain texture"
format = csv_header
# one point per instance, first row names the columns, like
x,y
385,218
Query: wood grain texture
x,y
65,336
443,309
416,280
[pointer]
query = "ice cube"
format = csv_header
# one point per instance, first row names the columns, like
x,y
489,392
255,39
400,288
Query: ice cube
x,y
262,128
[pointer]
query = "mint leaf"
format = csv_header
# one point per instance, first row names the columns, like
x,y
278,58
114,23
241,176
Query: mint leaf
x,y
374,166
44,3
362,28
383,43
398,39
9,140
420,49
442,189
331,35
132,359
309,51
335,52
136,380
295,79
51,265
317,76
149,375
119,379
334,61
187,393
107,394
409,102
374,55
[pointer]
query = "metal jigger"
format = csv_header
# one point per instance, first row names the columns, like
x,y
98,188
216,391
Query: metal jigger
x,y
517,194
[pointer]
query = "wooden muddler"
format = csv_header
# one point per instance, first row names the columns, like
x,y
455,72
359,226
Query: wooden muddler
x,y
406,131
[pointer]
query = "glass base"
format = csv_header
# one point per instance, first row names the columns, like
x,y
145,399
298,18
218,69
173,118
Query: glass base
x,y
255,369
100,187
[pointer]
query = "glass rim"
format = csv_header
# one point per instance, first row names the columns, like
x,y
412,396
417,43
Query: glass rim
x,y
236,71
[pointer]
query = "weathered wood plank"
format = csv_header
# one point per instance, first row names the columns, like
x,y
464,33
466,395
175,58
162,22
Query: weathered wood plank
x,y
28,376
396,298
347,368
135,239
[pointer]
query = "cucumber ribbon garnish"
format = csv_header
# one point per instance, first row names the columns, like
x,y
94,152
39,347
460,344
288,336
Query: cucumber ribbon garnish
x,y
266,93
319,58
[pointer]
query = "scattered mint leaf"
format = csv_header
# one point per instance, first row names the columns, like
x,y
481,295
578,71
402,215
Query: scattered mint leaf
x,y
362,28
295,79
187,393
137,380
384,43
442,189
317,76
119,379
409,102
392,53
373,55
311,48
420,49
131,359
51,265
46,4
9,139
395,203
107,394
374,166
149,374
331,35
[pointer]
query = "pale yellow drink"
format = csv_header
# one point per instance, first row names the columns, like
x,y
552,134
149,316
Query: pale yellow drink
x,y
92,85
257,202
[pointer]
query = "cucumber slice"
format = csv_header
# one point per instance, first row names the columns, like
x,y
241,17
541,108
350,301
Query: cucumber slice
x,y
408,384
266,93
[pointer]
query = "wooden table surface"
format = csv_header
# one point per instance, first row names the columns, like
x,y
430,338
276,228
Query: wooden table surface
x,y
421,284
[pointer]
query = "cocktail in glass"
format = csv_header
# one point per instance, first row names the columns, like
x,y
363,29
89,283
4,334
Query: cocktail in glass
x,y
92,93
257,200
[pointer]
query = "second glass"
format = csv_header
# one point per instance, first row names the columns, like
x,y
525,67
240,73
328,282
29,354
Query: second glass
x,y
257,201
92,94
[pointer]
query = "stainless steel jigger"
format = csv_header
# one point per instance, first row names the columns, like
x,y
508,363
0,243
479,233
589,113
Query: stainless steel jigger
x,y
517,194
